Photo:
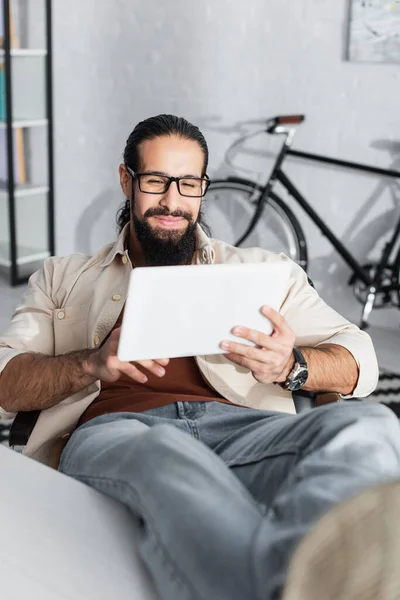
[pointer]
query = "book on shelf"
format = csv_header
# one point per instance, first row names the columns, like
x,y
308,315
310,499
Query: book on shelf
x,y
18,136
3,112
18,176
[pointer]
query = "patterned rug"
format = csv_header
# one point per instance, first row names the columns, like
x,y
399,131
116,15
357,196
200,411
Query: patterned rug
x,y
387,392
4,431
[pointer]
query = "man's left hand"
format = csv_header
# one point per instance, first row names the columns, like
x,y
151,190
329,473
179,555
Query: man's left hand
x,y
272,360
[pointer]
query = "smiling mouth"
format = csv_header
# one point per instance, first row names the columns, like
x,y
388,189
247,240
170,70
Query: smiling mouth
x,y
169,221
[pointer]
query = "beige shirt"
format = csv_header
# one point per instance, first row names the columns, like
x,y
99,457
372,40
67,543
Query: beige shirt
x,y
73,302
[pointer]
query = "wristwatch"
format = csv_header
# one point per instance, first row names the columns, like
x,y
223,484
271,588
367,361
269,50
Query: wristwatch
x,y
298,375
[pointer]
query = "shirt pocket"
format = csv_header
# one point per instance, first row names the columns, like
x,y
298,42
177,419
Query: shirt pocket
x,y
70,328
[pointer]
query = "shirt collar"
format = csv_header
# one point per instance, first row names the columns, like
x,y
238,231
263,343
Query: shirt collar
x,y
119,248
204,251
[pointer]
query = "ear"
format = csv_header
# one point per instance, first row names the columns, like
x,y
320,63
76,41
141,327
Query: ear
x,y
125,179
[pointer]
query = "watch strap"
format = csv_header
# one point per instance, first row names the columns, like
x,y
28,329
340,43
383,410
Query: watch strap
x,y
299,363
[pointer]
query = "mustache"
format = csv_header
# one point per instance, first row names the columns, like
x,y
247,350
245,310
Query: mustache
x,y
159,211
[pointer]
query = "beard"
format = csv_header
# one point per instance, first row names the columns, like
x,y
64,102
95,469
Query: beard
x,y
165,247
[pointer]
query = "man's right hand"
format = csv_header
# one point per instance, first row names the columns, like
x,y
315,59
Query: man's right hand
x,y
104,364
32,381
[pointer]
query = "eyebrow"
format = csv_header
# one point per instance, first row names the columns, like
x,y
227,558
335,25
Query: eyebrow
x,y
163,174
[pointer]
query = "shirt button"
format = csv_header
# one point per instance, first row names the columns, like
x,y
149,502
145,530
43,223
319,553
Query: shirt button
x,y
124,259
96,340
116,297
61,315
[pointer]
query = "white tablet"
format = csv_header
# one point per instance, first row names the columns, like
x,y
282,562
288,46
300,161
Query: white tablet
x,y
189,310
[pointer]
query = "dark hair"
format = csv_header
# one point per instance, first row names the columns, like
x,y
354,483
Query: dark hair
x,y
148,130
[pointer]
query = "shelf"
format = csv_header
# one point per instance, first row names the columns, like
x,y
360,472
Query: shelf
x,y
24,52
25,255
25,123
27,129
24,189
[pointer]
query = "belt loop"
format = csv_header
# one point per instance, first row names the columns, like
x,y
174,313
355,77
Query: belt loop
x,y
181,410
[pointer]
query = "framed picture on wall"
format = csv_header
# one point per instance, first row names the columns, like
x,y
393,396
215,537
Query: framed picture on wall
x,y
374,34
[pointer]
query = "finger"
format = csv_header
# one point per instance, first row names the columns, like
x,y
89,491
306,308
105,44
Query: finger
x,y
259,354
115,333
153,366
112,340
133,372
243,361
127,368
162,361
260,339
278,322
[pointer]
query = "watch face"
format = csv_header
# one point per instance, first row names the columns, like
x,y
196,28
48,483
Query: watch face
x,y
298,380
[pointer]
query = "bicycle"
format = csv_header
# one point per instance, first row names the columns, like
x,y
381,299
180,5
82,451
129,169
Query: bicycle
x,y
374,284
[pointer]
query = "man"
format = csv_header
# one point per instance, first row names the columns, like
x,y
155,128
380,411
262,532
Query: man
x,y
224,479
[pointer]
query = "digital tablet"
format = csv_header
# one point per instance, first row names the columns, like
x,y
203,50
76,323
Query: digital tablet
x,y
189,310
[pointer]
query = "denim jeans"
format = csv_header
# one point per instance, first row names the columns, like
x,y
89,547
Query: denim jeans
x,y
223,494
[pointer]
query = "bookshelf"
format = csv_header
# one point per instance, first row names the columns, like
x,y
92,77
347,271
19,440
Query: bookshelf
x,y
26,138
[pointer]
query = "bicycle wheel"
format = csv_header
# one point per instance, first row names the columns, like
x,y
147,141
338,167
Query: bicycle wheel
x,y
229,206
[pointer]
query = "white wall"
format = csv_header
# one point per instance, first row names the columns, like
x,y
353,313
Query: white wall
x,y
217,62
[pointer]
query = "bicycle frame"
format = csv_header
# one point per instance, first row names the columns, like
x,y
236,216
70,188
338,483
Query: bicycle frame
x,y
278,175
336,243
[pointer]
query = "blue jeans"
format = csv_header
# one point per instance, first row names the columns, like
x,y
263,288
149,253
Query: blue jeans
x,y
223,494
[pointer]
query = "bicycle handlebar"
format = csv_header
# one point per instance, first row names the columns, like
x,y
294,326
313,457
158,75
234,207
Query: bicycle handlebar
x,y
290,119
274,125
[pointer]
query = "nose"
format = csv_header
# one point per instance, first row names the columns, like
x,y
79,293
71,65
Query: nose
x,y
172,198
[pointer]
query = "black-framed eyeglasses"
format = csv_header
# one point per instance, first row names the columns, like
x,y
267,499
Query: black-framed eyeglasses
x,y
153,183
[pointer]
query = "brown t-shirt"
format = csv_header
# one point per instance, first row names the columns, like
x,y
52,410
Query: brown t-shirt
x,y
181,382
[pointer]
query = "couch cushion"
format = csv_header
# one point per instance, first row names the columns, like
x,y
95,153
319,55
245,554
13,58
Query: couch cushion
x,y
64,540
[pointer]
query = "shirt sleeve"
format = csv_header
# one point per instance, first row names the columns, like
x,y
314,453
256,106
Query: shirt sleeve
x,y
315,323
31,327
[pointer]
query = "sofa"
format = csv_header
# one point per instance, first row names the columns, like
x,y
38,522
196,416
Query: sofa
x,y
62,540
